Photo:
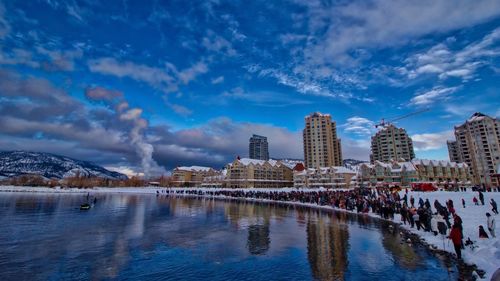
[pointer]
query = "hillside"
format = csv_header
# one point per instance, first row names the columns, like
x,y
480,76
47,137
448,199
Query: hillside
x,y
16,163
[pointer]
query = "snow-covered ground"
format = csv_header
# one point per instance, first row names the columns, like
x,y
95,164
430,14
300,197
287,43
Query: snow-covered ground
x,y
486,255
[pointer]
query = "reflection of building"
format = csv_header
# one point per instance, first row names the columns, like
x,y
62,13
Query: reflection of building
x,y
321,146
248,173
328,177
327,246
478,144
258,148
191,176
391,143
258,239
441,173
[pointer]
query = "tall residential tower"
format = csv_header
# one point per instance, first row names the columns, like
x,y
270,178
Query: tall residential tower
x,y
258,148
478,144
321,145
391,143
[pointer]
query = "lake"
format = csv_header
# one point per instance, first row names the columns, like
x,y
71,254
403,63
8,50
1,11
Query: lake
x,y
149,237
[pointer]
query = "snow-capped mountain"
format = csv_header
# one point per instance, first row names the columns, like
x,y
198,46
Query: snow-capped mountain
x,y
15,163
353,164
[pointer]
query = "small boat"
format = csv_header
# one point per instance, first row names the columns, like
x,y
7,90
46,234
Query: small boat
x,y
85,206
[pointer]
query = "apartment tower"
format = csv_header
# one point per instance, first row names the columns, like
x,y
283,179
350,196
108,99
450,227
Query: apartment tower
x,y
453,151
477,144
391,143
258,148
321,145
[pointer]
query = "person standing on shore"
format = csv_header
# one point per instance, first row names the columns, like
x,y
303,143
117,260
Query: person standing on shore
x,y
490,223
456,238
493,204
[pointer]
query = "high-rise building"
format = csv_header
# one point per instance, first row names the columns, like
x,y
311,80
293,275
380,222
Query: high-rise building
x,y
321,146
391,143
478,145
453,151
258,148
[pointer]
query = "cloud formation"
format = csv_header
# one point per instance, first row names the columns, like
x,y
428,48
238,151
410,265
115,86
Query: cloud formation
x,y
435,94
441,60
431,141
359,126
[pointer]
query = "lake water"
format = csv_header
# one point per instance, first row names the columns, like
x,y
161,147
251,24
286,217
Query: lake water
x,y
145,237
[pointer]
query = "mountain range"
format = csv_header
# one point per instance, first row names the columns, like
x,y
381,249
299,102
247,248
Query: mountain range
x,y
16,163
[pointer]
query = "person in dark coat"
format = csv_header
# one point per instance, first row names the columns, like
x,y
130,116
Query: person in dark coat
x,y
463,203
475,201
481,197
427,204
412,201
456,238
482,233
493,204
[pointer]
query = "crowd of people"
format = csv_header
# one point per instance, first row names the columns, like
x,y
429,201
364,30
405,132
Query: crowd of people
x,y
440,220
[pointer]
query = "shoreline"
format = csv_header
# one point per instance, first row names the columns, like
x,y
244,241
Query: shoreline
x,y
472,263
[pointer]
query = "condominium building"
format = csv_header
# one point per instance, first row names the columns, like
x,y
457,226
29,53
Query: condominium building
x,y
258,148
191,176
250,173
321,146
327,177
217,180
391,143
453,151
478,145
403,173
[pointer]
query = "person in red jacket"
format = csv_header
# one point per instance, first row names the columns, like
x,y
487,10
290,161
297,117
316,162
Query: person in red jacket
x,y
456,238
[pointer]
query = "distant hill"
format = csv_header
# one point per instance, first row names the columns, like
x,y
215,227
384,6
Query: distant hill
x,y
16,163
352,163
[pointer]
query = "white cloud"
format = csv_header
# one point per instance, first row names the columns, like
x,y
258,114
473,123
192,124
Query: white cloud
x,y
218,80
431,141
355,149
359,126
378,24
443,61
166,79
260,98
179,109
431,96
218,44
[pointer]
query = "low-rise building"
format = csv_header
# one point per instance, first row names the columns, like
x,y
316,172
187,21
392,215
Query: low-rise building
x,y
441,173
218,180
327,177
191,176
253,173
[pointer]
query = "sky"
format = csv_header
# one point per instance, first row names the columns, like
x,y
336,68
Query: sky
x,y
145,86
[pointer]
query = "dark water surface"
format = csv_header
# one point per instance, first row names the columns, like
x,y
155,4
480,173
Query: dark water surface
x,y
144,237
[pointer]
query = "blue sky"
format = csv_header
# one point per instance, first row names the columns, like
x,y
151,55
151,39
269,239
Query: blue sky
x,y
148,85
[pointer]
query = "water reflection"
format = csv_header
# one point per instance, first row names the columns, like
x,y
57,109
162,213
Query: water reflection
x,y
327,246
258,239
141,236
